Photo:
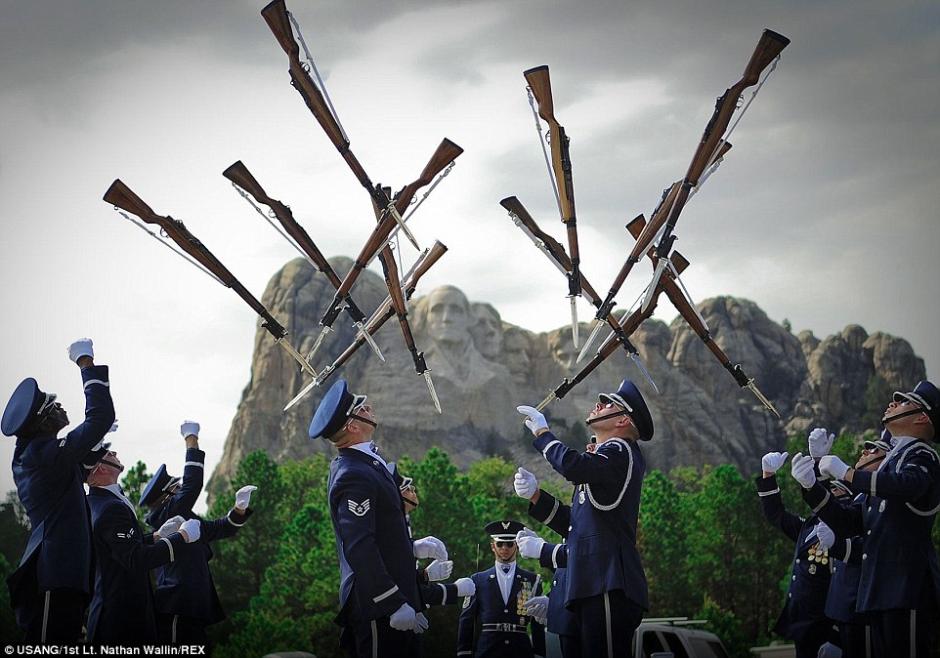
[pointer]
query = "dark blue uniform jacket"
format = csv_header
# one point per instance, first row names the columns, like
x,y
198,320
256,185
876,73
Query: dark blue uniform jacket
x,y
603,517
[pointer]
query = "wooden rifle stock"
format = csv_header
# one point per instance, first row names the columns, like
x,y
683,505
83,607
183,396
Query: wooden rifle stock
x,y
122,196
442,156
275,15
386,310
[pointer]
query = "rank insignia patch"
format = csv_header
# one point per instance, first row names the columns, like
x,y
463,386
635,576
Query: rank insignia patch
x,y
359,509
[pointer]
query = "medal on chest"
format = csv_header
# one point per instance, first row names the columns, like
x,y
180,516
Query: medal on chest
x,y
817,555
581,494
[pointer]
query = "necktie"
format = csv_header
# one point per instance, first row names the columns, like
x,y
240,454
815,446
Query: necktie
x,y
506,569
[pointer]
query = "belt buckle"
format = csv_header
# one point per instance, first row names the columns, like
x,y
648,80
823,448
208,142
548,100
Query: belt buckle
x,y
505,627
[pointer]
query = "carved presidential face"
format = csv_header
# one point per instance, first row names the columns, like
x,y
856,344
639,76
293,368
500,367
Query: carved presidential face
x,y
448,315
487,331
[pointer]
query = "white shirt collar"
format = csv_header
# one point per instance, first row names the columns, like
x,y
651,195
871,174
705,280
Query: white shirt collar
x,y
900,442
366,448
116,490
505,579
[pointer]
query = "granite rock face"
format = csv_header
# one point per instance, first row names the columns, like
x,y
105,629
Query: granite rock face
x,y
483,367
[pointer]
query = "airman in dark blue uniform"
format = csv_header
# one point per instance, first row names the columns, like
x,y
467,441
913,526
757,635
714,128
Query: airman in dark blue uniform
x,y
548,510
899,583
379,596
494,622
186,601
50,588
606,586
122,609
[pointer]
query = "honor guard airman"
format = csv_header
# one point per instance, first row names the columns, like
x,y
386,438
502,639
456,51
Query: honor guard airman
x,y
544,507
854,633
495,621
899,584
803,619
185,598
606,586
433,591
50,588
379,598
122,609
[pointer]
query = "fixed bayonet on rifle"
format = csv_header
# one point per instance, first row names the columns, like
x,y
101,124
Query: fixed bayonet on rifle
x,y
556,253
242,178
381,315
540,86
609,346
768,49
393,282
443,155
670,285
121,196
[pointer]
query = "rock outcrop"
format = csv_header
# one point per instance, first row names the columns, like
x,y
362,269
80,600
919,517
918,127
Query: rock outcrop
x,y
483,367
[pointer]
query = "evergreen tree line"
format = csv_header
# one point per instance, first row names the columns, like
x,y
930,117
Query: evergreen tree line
x,y
706,549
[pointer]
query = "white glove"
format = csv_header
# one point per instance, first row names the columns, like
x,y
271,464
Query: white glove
x,y
465,587
825,535
820,442
829,650
189,427
114,427
525,483
537,607
833,466
430,547
530,544
535,420
439,570
772,461
190,530
81,347
421,623
403,619
170,526
243,497
801,468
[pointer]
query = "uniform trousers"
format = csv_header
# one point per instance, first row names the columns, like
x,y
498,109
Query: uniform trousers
x,y
902,633
57,617
606,624
179,629
855,640
570,646
374,638
816,636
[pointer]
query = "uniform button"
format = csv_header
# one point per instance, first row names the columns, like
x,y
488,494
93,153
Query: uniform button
x,y
554,582
868,533
789,595
505,610
797,560
833,569
793,578
570,528
505,641
864,556
869,508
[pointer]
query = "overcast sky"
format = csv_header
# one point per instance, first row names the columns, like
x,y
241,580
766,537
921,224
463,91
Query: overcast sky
x,y
824,213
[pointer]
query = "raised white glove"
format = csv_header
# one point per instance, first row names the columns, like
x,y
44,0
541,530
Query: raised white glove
x,y
190,529
525,483
403,619
535,420
439,570
825,535
430,547
81,347
801,468
189,427
465,587
537,607
170,526
530,544
421,623
772,461
820,442
833,466
243,497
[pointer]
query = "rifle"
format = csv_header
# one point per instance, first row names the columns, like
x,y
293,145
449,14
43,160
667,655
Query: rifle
x,y
609,346
381,315
540,86
768,49
556,254
121,196
642,242
445,153
393,282
694,319
241,178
